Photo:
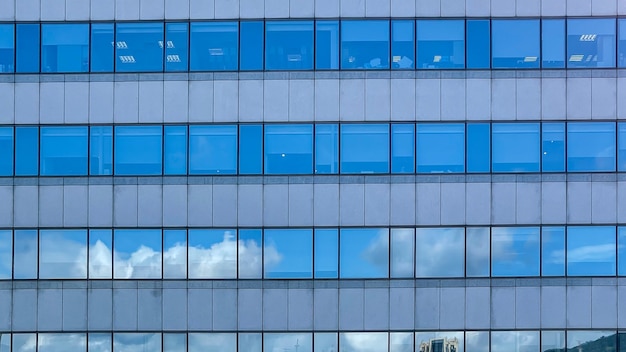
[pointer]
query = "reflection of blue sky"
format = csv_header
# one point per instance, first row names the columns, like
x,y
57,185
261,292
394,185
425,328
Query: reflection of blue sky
x,y
477,341
516,147
249,342
5,342
295,253
591,250
440,148
515,43
552,339
402,246
138,150
553,251
137,254
6,151
515,251
175,342
364,253
136,342
24,342
61,342
214,342
591,146
212,254
325,342
174,254
62,254
514,341
100,254
478,242
440,252
6,254
326,253
99,342
288,149
364,148
401,342
287,342
25,254
363,341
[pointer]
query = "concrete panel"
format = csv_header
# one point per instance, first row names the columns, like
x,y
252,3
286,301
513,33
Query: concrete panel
x,y
51,206
527,307
578,97
125,309
351,309
528,92
301,96
7,100
453,203
176,98
175,309
24,310
126,9
126,102
603,97
251,9
377,8
50,309
149,303
402,204
478,203
553,202
225,108
503,8
352,204
326,94
553,94
401,311
26,102
377,97
100,101
453,92
76,101
300,309
578,7
528,203
275,309
251,100
377,199
579,307
621,305
250,205
503,90
621,8
503,307
200,304
276,205
621,90
224,205
151,100
579,202
428,204
452,8
326,309
150,205
503,203
553,8
75,205
25,199
51,103
427,308
5,309
352,8
477,312
276,8
52,10
27,10
100,205
428,8
376,305
200,100
177,9
224,314
7,10
6,207
300,205
603,303
326,204
553,307
201,9
100,309
152,9
74,309
200,206
102,9
125,200
326,8
603,202
226,8
302,8
174,205
352,100
529,8
403,94
451,314
427,95
477,8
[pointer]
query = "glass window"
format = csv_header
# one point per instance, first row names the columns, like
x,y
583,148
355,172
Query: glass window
x,y
25,342
222,342
327,45
326,149
402,148
440,148
213,254
402,44
289,149
137,254
176,46
212,150
7,48
591,42
283,342
25,254
250,149
62,254
478,147
553,341
515,147
621,251
591,251
26,151
288,254
63,151
553,147
70,342
553,251
477,341
590,341
363,341
100,150
364,44
138,150
175,150
131,342
591,146
515,341
214,46
364,253
27,48
478,43
441,44
326,253
402,252
139,47
6,151
250,254
364,148
174,254
251,36
289,45
174,342
621,146
5,342
515,251
515,43
99,342
250,342
102,45
325,342
440,341
100,254
621,44
6,254
401,342
440,252
553,43
65,48
478,242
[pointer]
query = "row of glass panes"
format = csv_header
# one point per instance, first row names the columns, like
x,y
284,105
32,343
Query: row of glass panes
x,y
308,45
301,149
321,253
422,341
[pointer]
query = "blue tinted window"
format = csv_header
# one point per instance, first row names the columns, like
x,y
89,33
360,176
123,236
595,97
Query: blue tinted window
x,y
553,43
326,253
27,48
515,147
63,151
139,47
176,46
591,146
402,148
327,45
26,151
440,148
175,153
7,48
478,248
591,42
515,43
364,253
100,254
583,341
214,46
440,252
25,254
250,254
289,149
591,250
515,251
101,150
441,44
402,252
621,251
402,44
364,148
289,45
553,251
288,254
132,244
6,255
138,150
6,151
102,45
251,36
212,150
621,44
478,147
63,254
553,147
250,149
64,48
326,149
478,44
515,341
174,250
621,146
213,254
365,44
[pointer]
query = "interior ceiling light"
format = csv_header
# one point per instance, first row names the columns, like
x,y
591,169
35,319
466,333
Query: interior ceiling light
x,y
576,58
588,37
530,59
437,58
127,59
122,45
216,52
173,58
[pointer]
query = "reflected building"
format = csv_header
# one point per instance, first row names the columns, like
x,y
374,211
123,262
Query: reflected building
x,y
440,345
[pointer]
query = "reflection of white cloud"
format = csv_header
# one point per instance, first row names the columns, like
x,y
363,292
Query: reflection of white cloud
x,y
142,263
363,342
440,252
100,261
287,342
325,342
505,341
377,252
214,342
99,342
516,246
62,342
477,341
402,252
592,253
401,342
24,342
478,246
136,342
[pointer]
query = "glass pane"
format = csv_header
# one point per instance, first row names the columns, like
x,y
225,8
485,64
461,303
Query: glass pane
x,y
440,252
402,148
478,43
176,46
6,254
7,48
591,42
327,45
138,150
363,341
6,151
100,254
99,342
212,150
364,253
553,251
439,341
477,341
326,149
478,242
70,342
515,147
250,254
137,254
440,44
591,251
251,36
102,44
326,253
289,45
250,342
174,254
132,342
26,151
401,342
621,146
553,147
364,44
325,342
621,251
214,46
139,47
65,48
515,43
213,254
27,48
250,149
62,254
553,341
515,341
515,251
5,342
553,43
24,342
403,44
101,150
175,158
25,254
440,148
174,343
63,151
222,342
621,44
591,146
478,147
284,342
364,148
591,341
402,252
288,254
289,149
